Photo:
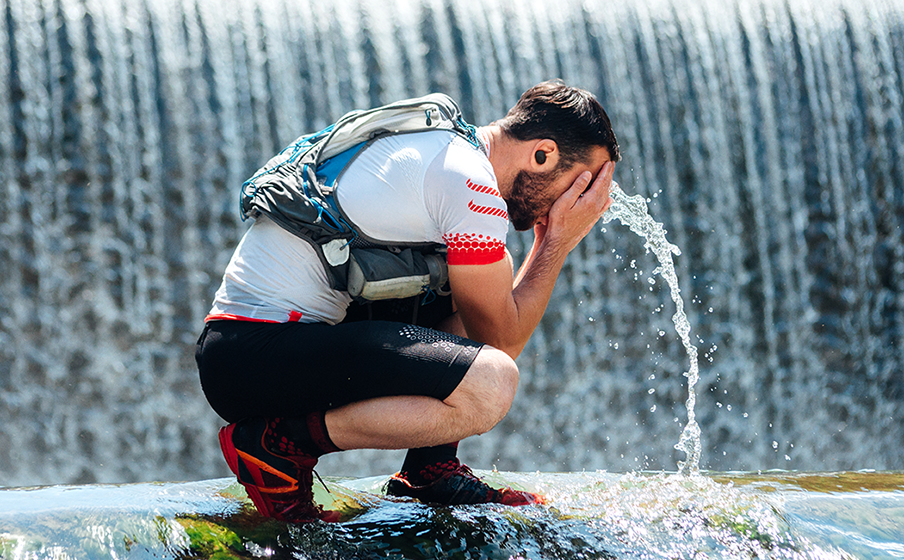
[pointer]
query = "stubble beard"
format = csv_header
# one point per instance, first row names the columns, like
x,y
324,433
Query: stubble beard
x,y
528,200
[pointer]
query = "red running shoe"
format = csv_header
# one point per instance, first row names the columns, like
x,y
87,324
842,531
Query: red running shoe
x,y
455,484
281,486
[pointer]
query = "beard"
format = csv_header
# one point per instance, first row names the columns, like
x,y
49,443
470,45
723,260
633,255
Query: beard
x,y
528,200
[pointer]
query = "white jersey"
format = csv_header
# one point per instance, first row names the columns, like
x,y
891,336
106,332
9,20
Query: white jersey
x,y
427,186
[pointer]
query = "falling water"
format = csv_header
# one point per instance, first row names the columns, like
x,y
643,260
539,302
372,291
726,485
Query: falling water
x,y
632,212
766,135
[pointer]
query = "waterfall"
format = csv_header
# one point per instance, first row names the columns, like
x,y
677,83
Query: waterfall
x,y
766,136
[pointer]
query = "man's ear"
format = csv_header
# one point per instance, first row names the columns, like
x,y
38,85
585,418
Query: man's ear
x,y
544,155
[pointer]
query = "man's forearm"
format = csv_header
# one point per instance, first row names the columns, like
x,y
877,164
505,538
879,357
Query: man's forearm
x,y
535,283
531,298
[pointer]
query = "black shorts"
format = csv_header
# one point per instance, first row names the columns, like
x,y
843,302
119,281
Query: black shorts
x,y
290,369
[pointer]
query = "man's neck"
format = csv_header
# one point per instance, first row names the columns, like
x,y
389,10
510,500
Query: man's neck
x,y
501,151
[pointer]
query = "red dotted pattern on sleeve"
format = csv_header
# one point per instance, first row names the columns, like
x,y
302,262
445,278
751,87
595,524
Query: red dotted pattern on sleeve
x,y
468,248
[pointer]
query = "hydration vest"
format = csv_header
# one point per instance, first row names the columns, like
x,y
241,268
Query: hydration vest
x,y
297,188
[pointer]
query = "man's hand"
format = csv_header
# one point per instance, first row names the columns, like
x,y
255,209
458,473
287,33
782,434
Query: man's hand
x,y
574,214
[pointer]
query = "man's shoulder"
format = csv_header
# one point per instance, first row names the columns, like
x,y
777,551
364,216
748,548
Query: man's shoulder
x,y
437,140
461,159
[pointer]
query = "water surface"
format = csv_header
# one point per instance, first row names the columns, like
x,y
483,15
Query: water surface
x,y
588,515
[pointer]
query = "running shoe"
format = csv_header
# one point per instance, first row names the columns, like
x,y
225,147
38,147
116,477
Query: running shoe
x,y
456,484
281,486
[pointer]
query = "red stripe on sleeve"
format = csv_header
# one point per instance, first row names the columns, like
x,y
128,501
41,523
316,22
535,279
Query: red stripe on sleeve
x,y
488,210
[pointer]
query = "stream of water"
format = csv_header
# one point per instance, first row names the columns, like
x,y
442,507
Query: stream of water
x,y
632,212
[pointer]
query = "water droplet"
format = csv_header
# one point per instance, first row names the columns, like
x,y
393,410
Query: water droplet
x,y
774,445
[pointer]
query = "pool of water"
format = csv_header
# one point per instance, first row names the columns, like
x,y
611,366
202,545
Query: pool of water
x,y
588,515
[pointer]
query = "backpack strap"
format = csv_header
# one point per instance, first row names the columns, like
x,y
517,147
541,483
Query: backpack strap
x,y
435,111
296,187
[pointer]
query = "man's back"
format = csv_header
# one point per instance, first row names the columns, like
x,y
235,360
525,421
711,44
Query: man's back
x,y
429,186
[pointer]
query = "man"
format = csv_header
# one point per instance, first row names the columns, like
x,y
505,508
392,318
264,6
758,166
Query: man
x,y
285,359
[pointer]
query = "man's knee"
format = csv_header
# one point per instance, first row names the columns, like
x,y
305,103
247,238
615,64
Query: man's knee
x,y
486,393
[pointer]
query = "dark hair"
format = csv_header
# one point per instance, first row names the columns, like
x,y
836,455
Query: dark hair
x,y
570,116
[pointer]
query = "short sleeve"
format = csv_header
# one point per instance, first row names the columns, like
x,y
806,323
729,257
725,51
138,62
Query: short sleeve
x,y
462,195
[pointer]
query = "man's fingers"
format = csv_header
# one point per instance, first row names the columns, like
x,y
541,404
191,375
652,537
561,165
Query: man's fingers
x,y
602,185
598,191
582,182
604,179
570,197
607,204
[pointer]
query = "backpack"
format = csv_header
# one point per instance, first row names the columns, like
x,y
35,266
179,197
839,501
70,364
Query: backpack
x,y
296,189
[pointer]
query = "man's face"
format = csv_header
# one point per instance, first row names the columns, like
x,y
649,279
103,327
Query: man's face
x,y
533,193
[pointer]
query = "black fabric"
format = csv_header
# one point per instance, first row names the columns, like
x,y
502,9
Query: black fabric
x,y
418,458
290,369
425,310
299,434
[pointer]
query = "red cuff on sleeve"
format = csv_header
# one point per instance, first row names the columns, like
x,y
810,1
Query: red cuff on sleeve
x,y
473,249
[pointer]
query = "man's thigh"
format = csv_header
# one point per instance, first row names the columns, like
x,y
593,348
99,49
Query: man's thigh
x,y
290,369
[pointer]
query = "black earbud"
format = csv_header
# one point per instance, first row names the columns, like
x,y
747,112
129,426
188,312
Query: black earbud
x,y
540,156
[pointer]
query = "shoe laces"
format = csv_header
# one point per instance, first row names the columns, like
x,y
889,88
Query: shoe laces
x,y
325,487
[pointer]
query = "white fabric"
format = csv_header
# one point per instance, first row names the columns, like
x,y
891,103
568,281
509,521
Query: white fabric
x,y
429,186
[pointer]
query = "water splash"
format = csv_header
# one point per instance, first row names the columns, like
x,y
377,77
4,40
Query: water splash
x,y
650,516
632,212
